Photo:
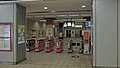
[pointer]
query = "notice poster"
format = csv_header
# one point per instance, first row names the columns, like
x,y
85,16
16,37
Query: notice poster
x,y
49,31
86,35
21,34
5,36
5,44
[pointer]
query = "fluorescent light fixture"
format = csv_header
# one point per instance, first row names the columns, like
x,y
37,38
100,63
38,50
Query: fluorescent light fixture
x,y
85,14
38,16
65,24
50,16
61,15
78,26
69,24
45,7
73,15
83,6
53,11
73,24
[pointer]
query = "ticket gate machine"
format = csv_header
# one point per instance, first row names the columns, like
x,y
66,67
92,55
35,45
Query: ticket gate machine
x,y
59,46
39,46
49,46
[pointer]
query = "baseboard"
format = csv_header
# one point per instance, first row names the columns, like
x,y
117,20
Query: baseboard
x,y
19,61
12,63
103,67
5,62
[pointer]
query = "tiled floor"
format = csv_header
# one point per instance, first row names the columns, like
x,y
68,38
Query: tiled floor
x,y
53,60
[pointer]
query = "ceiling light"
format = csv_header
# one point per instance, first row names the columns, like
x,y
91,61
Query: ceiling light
x,y
78,26
73,15
45,7
61,15
38,16
85,14
83,6
53,11
50,16
53,26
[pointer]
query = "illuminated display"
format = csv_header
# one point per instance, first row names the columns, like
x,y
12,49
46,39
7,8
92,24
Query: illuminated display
x,y
88,24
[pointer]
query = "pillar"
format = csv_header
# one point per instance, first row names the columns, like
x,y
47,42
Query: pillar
x,y
118,33
49,28
106,34
15,14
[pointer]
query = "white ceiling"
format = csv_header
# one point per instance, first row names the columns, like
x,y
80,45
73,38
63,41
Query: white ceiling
x,y
57,8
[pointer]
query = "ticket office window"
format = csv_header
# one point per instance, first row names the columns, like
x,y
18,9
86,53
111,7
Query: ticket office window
x,y
68,33
73,33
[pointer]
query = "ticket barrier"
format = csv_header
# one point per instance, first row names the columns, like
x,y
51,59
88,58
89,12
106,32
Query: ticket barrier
x,y
81,50
49,46
30,45
70,49
39,46
59,47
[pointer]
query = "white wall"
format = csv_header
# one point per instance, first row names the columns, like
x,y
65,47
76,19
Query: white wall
x,y
6,16
119,33
106,33
36,25
32,24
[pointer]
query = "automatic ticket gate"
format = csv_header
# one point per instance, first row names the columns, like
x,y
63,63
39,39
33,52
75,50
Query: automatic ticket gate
x,y
74,46
39,46
70,49
49,46
59,46
30,45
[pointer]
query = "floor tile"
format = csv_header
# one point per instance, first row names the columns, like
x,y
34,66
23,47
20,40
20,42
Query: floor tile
x,y
52,60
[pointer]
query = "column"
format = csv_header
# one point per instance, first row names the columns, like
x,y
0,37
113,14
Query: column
x,y
118,33
14,14
49,28
105,19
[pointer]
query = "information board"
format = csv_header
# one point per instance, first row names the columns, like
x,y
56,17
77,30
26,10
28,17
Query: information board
x,y
49,30
5,36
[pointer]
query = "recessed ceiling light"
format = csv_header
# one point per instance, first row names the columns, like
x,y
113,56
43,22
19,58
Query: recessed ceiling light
x,y
45,7
83,6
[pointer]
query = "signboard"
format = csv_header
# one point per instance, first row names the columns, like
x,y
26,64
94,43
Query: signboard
x,y
86,42
86,35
